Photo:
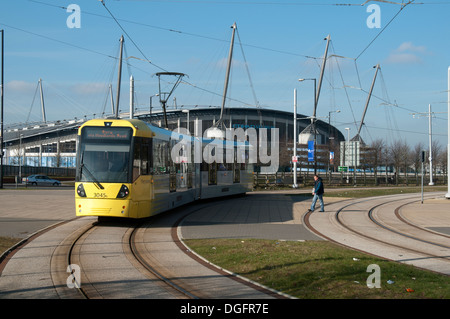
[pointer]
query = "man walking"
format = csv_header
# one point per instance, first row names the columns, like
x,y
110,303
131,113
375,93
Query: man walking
x,y
318,193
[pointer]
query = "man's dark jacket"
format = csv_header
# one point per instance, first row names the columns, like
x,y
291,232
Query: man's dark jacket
x,y
318,187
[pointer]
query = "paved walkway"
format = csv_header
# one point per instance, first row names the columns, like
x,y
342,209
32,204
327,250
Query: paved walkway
x,y
25,211
264,215
256,215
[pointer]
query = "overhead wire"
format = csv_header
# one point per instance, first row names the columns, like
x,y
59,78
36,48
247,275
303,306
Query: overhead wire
x,y
232,2
248,71
346,92
32,103
129,37
278,3
177,31
192,34
382,30
56,40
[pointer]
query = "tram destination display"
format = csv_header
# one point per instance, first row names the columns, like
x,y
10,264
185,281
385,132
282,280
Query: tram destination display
x,y
107,133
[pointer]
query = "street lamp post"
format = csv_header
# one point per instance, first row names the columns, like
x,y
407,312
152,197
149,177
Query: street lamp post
x,y
313,121
346,150
430,136
151,105
20,158
294,158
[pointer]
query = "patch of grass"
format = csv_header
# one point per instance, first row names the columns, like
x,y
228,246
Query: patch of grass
x,y
7,242
319,270
370,192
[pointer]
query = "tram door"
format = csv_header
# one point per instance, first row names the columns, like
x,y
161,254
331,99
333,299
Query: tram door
x,y
172,169
198,181
236,168
236,173
172,179
212,173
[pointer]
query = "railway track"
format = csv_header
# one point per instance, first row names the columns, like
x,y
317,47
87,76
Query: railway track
x,y
378,227
112,261
140,259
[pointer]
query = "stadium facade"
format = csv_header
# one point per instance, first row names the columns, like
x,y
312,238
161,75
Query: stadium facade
x,y
54,144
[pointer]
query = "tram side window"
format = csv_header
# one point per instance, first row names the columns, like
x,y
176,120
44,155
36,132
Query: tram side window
x,y
142,159
160,156
137,158
146,157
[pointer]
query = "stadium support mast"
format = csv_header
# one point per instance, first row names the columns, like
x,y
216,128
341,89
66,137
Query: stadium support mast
x,y
227,76
322,70
119,77
131,97
358,137
217,131
44,118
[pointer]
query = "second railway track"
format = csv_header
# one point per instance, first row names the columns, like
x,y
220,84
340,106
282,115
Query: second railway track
x,y
141,259
113,263
376,226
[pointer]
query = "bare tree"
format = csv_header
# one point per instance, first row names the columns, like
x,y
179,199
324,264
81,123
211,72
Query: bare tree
x,y
407,160
436,150
441,161
285,155
400,151
386,157
376,159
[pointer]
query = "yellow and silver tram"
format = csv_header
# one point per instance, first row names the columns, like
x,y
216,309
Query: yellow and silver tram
x,y
127,168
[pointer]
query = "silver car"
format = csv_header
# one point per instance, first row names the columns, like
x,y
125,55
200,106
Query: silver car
x,y
41,180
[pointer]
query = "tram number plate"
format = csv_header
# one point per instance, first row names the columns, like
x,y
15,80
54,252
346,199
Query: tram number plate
x,y
100,195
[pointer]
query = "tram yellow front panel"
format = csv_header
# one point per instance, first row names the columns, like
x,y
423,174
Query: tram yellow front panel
x,y
103,202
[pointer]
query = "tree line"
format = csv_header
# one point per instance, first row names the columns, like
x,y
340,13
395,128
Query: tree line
x,y
393,163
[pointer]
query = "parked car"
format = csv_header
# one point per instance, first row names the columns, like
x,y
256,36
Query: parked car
x,y
41,180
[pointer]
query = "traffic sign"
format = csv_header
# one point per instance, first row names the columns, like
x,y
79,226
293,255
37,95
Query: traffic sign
x,y
343,168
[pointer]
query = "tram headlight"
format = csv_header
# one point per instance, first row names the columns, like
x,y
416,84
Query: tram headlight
x,y
80,191
123,192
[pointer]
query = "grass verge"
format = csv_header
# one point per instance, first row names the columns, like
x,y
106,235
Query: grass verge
x,y
320,270
7,242
370,192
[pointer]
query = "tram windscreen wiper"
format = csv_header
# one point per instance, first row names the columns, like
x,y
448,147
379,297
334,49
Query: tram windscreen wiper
x,y
95,180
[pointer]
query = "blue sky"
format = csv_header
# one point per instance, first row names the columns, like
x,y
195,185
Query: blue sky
x,y
279,42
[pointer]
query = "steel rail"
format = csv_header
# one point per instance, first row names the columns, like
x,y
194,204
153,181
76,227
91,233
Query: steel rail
x,y
359,233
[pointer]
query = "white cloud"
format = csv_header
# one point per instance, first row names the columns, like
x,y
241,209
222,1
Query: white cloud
x,y
21,86
409,46
235,63
89,88
403,58
407,53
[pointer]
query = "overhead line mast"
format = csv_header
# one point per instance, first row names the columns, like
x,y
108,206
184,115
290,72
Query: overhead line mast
x,y
119,77
227,76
